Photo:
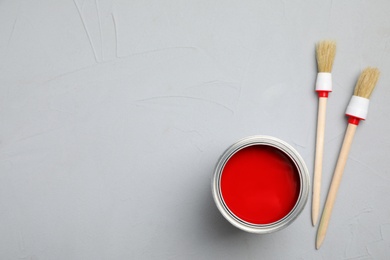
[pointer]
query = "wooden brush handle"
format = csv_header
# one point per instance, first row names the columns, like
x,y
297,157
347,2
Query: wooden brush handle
x,y
318,159
338,173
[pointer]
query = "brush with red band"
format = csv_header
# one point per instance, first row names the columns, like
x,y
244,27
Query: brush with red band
x,y
356,110
325,53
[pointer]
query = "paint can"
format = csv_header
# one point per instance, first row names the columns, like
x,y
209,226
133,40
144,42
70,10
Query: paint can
x,y
261,184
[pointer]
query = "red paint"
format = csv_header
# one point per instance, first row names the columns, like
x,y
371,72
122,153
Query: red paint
x,y
260,184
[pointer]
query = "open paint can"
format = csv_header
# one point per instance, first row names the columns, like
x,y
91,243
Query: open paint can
x,y
261,184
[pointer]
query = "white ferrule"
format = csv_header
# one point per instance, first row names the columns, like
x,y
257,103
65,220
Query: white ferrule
x,y
358,107
324,81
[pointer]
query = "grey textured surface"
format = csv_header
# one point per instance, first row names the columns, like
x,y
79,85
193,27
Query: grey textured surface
x,y
114,113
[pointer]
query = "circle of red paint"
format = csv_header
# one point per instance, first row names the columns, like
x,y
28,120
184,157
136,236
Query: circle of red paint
x,y
260,184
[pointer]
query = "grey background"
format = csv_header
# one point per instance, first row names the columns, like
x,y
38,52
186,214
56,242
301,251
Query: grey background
x,y
114,113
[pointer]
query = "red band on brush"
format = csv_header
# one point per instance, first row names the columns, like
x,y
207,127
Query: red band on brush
x,y
354,120
322,93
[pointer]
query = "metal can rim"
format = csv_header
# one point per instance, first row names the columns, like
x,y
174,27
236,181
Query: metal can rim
x,y
303,175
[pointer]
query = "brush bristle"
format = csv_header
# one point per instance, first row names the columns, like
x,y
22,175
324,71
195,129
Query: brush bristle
x,y
325,50
366,82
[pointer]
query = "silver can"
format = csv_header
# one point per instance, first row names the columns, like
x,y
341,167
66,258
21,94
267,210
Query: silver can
x,y
296,161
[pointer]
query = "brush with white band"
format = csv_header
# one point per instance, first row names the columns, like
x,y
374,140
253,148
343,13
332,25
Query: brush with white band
x,y
325,53
356,110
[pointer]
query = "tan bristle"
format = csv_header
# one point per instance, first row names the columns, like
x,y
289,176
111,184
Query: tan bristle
x,y
366,82
325,50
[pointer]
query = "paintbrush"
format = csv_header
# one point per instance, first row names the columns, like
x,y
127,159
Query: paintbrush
x,y
325,53
356,110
